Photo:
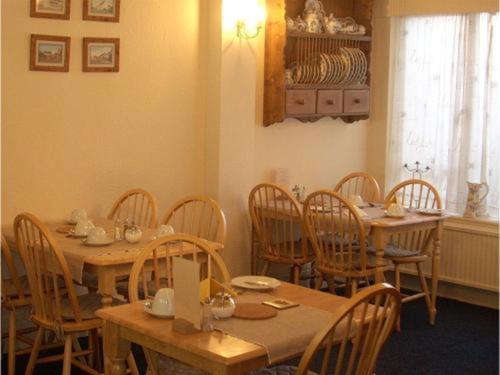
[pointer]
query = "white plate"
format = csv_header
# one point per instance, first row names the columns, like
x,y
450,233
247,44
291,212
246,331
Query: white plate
x,y
255,282
430,211
394,216
147,308
109,241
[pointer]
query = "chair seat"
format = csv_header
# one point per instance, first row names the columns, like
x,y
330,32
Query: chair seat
x,y
167,365
89,303
392,251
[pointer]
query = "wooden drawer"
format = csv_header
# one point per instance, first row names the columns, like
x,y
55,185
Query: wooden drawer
x,y
356,101
300,102
330,101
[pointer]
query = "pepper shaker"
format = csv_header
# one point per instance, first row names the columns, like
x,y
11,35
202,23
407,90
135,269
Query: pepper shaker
x,y
206,319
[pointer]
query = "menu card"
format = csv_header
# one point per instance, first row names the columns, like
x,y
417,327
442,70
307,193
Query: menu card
x,y
187,291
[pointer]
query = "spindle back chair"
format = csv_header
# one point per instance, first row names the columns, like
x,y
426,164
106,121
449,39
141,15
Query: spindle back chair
x,y
359,183
277,221
137,206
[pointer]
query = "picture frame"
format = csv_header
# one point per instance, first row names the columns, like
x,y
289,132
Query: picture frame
x,y
49,53
101,55
101,10
58,9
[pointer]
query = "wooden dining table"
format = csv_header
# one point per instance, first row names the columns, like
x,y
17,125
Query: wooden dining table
x,y
379,227
214,352
105,263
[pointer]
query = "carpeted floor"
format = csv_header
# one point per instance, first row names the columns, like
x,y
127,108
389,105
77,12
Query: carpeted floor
x,y
463,341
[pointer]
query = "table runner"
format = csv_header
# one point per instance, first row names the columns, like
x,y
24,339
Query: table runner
x,y
76,253
283,336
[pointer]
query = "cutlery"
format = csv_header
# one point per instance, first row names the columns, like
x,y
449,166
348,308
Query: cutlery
x,y
257,283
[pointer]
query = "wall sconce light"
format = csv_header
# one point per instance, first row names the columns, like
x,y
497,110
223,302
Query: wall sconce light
x,y
247,15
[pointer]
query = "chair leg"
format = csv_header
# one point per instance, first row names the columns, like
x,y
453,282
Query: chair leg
x,y
68,341
78,348
331,284
425,289
12,343
132,365
95,357
354,286
397,277
34,352
265,268
319,281
297,270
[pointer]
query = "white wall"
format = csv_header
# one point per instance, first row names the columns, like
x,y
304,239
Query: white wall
x,y
79,139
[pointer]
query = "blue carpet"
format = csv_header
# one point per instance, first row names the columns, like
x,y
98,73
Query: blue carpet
x,y
463,341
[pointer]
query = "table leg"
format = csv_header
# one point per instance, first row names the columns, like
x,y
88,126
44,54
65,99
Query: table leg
x,y
436,255
107,285
379,241
116,350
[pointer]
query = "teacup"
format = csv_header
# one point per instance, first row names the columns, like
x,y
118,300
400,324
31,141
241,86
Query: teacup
x,y
396,209
97,235
77,215
356,200
83,226
164,230
163,303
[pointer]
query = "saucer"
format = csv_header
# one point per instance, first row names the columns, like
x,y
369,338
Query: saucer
x,y
393,216
147,308
106,242
72,233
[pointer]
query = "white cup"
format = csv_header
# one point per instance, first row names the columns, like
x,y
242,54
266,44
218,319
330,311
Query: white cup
x,y
164,230
77,215
356,200
83,226
97,235
396,210
163,303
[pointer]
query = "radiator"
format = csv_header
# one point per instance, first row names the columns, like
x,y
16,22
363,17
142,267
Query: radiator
x,y
469,256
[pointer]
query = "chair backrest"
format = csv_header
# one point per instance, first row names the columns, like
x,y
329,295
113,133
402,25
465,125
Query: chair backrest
x,y
137,206
160,254
13,277
414,194
356,333
359,183
199,216
48,273
277,220
336,233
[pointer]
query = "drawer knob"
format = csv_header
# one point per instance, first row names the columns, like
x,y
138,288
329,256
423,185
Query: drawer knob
x,y
357,101
300,101
330,102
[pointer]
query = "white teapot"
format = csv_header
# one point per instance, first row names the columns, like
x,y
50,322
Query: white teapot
x,y
333,25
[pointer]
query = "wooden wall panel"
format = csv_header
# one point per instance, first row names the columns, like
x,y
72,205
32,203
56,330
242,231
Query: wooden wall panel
x,y
274,63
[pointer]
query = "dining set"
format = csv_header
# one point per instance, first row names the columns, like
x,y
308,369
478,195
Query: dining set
x,y
140,291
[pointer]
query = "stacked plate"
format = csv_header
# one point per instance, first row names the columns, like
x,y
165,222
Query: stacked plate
x,y
347,68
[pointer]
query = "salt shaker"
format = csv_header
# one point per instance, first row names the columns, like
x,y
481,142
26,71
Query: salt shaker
x,y
118,229
206,318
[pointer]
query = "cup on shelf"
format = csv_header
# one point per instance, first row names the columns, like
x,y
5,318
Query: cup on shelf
x,y
83,226
97,235
77,215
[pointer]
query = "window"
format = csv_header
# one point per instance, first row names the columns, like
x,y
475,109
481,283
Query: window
x,y
445,109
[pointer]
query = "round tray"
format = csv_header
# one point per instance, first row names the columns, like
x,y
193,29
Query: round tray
x,y
254,311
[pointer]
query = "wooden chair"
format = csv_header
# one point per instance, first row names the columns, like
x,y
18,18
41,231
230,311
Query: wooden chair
x,y
359,183
146,279
137,206
412,247
277,221
56,307
197,215
338,237
15,295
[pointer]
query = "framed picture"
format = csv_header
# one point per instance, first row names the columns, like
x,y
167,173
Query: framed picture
x,y
49,53
50,9
101,55
101,10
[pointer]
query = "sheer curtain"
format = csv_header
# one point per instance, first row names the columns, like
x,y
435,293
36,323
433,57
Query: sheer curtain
x,y
445,109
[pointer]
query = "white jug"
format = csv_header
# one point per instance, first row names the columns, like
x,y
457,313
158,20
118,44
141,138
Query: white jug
x,y
475,199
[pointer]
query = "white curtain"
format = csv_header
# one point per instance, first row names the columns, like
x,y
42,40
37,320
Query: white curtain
x,y
445,108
